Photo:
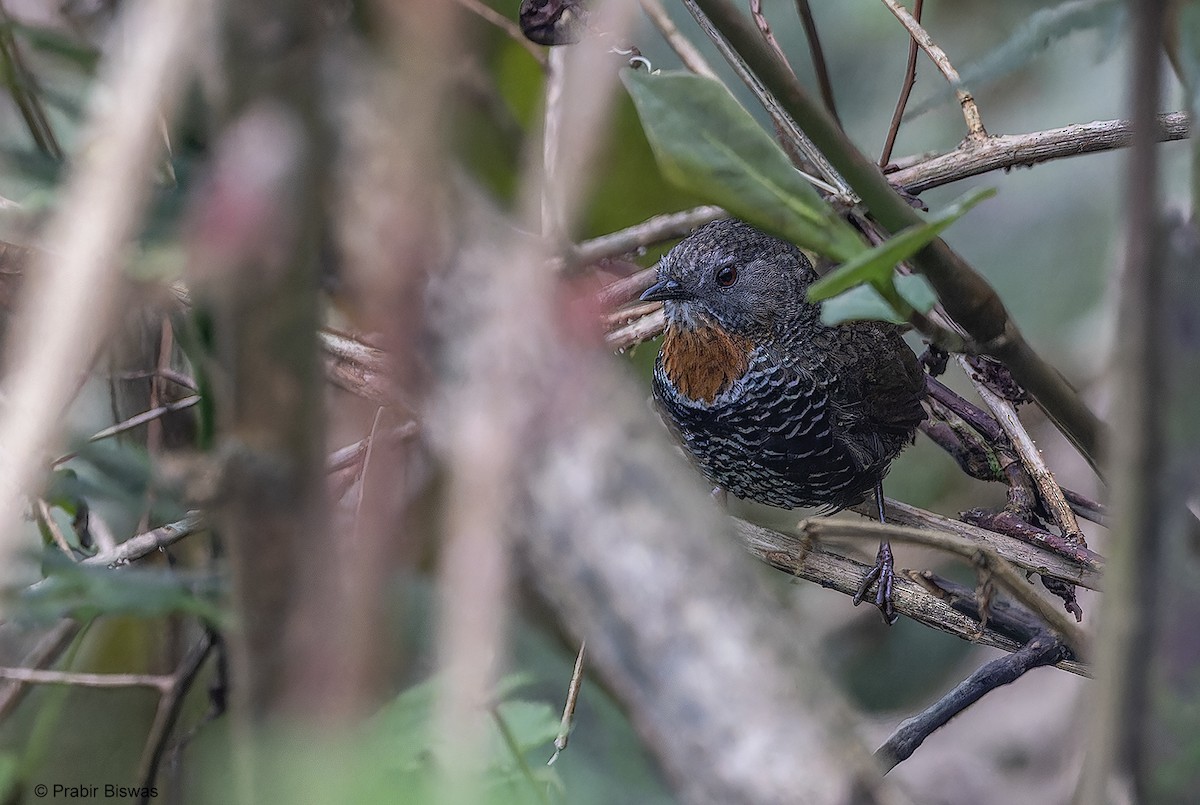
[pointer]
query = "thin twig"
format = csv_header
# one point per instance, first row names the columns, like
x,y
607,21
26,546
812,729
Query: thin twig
x,y
568,716
366,464
644,329
764,28
137,420
648,233
34,676
688,53
1042,650
818,57
910,78
350,455
56,534
508,26
1052,495
1086,507
1026,150
975,130
23,87
169,707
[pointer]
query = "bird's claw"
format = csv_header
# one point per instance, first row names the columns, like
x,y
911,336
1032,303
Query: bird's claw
x,y
884,573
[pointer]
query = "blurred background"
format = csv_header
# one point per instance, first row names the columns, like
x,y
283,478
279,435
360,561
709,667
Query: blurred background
x,y
1048,243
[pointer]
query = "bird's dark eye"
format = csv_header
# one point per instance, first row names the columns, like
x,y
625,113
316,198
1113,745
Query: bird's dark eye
x,y
726,276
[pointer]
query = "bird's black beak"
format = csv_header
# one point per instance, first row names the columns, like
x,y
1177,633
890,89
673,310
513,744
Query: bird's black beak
x,y
663,290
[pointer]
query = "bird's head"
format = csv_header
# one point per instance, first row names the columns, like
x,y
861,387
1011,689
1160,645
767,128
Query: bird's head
x,y
729,273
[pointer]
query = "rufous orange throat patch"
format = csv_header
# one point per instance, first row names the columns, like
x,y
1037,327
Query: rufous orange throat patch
x,y
704,361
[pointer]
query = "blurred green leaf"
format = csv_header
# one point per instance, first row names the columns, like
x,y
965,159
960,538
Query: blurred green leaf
x,y
56,43
856,304
84,591
9,776
707,143
875,266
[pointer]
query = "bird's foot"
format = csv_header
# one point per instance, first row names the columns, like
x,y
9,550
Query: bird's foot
x,y
884,573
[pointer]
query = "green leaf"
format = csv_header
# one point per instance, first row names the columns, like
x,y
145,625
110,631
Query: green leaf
x,y
875,265
859,303
705,142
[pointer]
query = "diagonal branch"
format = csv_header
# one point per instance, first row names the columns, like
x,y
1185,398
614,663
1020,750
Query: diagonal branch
x,y
1041,650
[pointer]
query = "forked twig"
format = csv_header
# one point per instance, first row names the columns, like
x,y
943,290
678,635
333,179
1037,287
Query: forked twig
x,y
975,130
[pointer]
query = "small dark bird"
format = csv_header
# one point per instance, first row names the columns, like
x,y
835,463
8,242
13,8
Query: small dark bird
x,y
773,405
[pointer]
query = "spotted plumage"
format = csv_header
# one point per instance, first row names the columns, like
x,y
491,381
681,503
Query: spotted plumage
x,y
773,405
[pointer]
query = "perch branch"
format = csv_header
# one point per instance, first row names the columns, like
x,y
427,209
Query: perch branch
x,y
1051,555
934,602
981,557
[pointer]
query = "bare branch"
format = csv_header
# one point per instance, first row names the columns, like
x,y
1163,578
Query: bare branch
x,y
649,232
1042,650
169,707
136,547
1062,559
934,602
1027,150
34,676
981,557
134,422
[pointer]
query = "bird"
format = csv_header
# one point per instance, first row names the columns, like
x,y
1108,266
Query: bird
x,y
773,405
